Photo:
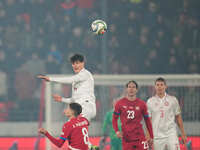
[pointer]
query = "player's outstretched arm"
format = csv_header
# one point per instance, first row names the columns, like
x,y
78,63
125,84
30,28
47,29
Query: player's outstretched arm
x,y
57,142
59,98
46,78
179,122
69,80
42,131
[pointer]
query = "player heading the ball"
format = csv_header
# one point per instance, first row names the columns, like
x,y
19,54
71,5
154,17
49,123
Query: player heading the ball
x,y
82,86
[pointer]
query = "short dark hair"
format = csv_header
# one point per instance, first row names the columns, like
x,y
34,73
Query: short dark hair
x,y
160,79
76,108
77,57
132,81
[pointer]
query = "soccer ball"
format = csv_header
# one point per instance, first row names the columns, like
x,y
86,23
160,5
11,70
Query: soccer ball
x,y
99,27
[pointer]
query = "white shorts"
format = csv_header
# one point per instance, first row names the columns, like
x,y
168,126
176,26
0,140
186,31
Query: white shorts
x,y
88,109
168,143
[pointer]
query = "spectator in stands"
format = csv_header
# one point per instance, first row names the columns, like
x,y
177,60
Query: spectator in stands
x,y
3,75
3,93
34,65
191,105
26,108
54,60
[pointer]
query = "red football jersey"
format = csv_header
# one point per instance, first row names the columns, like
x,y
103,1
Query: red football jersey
x,y
131,114
76,132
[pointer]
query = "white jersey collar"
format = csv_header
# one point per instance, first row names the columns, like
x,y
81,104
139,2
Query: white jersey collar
x,y
163,97
82,70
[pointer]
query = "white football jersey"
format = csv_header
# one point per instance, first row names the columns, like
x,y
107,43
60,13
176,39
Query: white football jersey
x,y
82,86
163,112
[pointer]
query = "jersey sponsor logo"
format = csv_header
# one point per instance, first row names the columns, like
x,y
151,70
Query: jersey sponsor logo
x,y
131,107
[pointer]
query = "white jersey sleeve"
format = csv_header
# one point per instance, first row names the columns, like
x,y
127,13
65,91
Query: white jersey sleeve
x,y
75,78
82,86
149,109
177,109
67,100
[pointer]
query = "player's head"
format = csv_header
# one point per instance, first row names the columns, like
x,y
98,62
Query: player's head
x,y
73,110
78,62
160,85
131,88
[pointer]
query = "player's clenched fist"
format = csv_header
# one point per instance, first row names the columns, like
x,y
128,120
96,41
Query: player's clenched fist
x,y
57,97
119,134
42,131
43,77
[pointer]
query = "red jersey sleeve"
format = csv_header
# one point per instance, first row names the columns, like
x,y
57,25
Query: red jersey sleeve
x,y
115,118
66,131
147,120
57,142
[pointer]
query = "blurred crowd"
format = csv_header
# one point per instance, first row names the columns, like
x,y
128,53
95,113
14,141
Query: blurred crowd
x,y
38,36
154,37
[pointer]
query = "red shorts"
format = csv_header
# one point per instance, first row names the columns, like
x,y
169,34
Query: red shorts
x,y
140,144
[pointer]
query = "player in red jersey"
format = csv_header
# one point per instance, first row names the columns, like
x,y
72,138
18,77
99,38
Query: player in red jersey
x,y
131,111
75,130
